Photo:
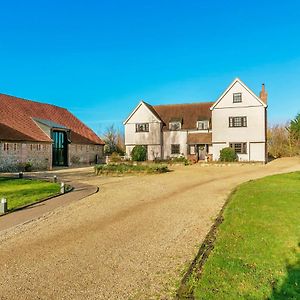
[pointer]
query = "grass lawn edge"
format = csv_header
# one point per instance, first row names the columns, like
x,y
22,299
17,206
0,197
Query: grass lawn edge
x,y
185,290
68,188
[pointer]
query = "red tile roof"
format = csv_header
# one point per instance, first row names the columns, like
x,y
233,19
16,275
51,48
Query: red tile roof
x,y
188,113
16,118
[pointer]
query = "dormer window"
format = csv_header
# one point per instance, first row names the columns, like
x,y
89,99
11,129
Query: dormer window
x,y
175,124
203,125
237,97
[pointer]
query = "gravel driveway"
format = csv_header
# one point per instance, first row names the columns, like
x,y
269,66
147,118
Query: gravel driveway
x,y
132,240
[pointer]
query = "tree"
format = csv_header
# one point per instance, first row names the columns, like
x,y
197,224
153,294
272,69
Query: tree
x,y
114,141
294,132
278,141
294,127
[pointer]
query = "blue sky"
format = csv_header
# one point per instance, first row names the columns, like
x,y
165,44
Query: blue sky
x,y
100,58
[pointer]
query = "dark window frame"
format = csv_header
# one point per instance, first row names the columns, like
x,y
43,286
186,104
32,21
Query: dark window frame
x,y
142,127
240,121
239,148
237,97
175,148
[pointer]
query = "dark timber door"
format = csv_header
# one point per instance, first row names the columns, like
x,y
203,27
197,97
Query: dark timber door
x,y
60,148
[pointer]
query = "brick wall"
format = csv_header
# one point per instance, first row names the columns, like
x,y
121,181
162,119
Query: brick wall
x,y
13,155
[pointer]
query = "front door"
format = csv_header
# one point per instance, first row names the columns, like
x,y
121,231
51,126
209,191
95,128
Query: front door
x,y
60,148
202,152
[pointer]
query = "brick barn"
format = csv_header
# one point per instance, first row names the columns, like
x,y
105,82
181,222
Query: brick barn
x,y
43,136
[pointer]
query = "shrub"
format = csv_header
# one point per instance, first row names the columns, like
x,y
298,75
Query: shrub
x,y
139,153
228,154
115,157
180,159
130,168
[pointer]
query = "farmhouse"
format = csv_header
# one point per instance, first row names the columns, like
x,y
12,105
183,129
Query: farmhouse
x,y
237,119
44,136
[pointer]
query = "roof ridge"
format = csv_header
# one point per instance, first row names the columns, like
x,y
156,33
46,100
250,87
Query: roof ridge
x,y
33,101
191,103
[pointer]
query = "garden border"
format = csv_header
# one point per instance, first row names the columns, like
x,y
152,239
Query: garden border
x,y
184,291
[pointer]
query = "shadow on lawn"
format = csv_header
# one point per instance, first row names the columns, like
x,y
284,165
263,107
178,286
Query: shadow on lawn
x,y
290,289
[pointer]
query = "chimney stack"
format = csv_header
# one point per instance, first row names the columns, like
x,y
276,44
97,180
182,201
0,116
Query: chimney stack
x,y
263,95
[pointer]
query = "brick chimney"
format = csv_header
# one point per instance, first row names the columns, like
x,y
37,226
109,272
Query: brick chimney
x,y
263,95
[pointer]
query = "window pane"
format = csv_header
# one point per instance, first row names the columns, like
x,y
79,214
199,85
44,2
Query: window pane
x,y
142,127
237,97
174,126
175,149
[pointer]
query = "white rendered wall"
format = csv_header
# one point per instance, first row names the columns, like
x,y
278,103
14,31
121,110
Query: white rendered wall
x,y
222,134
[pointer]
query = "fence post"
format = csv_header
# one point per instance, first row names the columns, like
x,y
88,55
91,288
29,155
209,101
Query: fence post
x,y
3,206
62,188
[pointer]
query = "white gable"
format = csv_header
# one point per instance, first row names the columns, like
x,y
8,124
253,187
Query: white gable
x,y
141,114
248,97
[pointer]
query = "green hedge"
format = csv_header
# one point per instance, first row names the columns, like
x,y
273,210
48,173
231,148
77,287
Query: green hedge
x,y
228,155
130,168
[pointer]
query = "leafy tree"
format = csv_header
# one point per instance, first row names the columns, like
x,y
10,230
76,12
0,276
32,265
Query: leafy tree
x,y
294,127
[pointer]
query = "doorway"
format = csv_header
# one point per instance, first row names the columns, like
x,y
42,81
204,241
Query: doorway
x,y
202,151
60,148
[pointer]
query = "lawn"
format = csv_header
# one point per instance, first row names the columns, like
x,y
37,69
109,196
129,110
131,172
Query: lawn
x,y
19,192
257,250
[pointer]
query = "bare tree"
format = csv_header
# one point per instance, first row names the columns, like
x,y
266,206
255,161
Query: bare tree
x,y
114,140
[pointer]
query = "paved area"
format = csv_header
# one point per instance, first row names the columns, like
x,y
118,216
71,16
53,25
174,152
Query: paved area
x,y
132,240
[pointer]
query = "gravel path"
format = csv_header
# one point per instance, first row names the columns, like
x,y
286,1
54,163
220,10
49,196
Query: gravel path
x,y
132,240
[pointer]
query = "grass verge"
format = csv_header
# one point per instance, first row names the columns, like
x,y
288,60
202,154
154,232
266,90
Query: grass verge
x,y
123,168
256,254
20,192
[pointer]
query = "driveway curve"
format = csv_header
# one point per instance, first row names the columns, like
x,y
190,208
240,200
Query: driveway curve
x,y
132,240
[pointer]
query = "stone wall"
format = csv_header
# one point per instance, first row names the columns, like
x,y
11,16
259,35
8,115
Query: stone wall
x,y
14,156
81,154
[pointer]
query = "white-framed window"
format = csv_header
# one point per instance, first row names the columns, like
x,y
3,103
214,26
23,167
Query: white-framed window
x,y
174,125
203,125
142,127
192,149
239,148
237,97
175,149
237,121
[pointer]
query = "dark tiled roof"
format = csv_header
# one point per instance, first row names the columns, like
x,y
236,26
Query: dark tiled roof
x,y
199,138
189,113
18,115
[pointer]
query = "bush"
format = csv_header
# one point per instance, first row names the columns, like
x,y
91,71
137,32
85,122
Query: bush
x,y
115,157
228,154
139,153
130,168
